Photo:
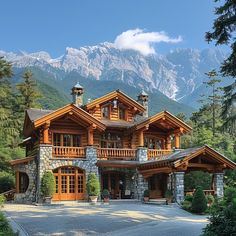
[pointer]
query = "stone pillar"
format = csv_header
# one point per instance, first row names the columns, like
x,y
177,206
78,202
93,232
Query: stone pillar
x,y
178,186
91,157
140,186
43,164
219,184
141,154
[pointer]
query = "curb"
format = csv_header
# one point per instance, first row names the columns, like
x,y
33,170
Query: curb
x,y
17,228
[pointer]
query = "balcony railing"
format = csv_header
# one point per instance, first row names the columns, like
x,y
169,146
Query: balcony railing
x,y
116,154
68,152
154,153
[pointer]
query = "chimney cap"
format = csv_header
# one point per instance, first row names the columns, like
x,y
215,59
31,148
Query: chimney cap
x,y
143,93
78,86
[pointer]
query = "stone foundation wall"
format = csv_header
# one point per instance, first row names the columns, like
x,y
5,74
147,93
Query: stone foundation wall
x,y
30,195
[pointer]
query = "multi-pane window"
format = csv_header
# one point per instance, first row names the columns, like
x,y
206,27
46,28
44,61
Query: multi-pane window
x,y
121,113
111,140
152,143
105,112
80,184
67,140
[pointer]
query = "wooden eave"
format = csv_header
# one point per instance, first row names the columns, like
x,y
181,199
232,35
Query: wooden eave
x,y
120,96
117,164
165,116
222,160
21,161
28,126
85,116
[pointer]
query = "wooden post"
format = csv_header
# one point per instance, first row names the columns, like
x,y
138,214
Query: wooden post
x,y
177,141
17,182
46,133
140,139
168,143
90,135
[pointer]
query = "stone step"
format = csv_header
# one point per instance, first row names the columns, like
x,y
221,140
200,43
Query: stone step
x,y
159,201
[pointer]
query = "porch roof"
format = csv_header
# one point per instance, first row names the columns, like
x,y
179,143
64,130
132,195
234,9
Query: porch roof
x,y
21,161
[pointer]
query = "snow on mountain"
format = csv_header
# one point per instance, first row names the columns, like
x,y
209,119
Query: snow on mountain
x,y
177,74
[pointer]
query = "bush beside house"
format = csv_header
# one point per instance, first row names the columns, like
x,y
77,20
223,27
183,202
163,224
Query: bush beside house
x,y
48,185
93,187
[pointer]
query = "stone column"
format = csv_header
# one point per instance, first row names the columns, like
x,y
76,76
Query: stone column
x,y
91,158
219,184
142,154
43,164
178,186
141,184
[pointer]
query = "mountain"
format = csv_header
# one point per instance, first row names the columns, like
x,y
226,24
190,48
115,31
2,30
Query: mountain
x,y
179,74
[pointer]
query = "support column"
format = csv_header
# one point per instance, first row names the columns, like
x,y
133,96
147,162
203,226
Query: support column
x,y
90,135
178,186
142,154
140,138
91,157
140,186
168,143
219,184
177,141
46,133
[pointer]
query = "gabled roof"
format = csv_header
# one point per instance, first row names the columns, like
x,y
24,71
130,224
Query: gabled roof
x,y
165,116
113,95
179,157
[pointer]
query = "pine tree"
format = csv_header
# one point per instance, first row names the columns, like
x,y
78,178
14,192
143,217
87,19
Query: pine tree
x,y
28,91
199,203
224,33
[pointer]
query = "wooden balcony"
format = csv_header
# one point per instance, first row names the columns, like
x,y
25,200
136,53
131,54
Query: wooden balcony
x,y
155,153
68,152
116,154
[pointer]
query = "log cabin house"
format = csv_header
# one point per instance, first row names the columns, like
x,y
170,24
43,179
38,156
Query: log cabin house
x,y
114,137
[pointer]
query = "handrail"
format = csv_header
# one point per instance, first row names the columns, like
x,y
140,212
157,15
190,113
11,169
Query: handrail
x,y
116,153
153,153
65,152
9,195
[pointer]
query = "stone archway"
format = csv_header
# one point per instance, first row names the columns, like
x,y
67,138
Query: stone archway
x,y
70,183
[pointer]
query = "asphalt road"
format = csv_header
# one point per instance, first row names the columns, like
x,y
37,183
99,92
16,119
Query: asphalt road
x,y
116,219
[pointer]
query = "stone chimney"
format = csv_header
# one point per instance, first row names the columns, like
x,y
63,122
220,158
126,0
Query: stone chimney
x,y
77,94
143,100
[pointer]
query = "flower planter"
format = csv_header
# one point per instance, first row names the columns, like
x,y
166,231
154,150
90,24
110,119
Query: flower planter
x,y
93,199
146,199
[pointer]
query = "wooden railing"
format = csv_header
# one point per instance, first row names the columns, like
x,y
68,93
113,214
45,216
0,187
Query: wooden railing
x,y
116,153
9,195
67,152
207,192
153,153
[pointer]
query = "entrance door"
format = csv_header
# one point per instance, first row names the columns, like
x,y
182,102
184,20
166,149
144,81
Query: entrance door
x,y
115,183
157,185
70,183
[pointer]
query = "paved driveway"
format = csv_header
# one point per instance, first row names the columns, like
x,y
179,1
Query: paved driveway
x,y
121,219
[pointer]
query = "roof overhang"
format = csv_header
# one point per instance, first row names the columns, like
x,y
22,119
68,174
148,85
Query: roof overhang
x,y
116,95
165,117
21,161
72,110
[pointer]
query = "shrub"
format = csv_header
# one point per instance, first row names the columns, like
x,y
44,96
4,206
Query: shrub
x,y
210,199
7,181
146,193
2,200
188,198
199,203
229,194
48,184
105,193
186,205
5,228
93,185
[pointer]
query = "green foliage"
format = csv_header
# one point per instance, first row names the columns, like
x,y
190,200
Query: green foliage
x,y
186,205
194,179
48,184
5,69
7,181
146,193
2,200
188,198
199,203
5,228
93,185
105,193
210,199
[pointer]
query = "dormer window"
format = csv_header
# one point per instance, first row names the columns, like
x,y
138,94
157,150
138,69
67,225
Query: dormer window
x,y
105,112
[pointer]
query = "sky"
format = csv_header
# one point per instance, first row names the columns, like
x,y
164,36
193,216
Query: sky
x,y
150,26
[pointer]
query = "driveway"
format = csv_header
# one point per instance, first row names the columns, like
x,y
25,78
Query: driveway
x,y
116,219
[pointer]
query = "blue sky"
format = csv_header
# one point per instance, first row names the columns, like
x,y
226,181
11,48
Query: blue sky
x,y
53,25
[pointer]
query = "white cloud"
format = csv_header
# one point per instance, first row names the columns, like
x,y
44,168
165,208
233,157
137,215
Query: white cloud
x,y
141,41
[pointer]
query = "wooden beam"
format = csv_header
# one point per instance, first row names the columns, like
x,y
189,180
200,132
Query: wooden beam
x,y
90,135
168,142
46,133
177,141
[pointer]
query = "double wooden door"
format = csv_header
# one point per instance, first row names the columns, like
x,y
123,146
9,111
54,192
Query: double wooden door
x,y
70,183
